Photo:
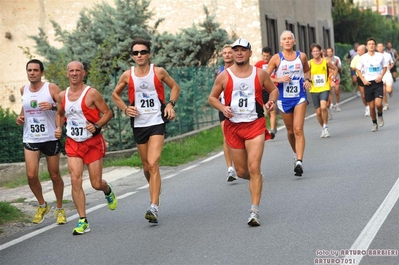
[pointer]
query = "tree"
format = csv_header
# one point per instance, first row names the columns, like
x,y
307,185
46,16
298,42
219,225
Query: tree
x,y
352,24
102,40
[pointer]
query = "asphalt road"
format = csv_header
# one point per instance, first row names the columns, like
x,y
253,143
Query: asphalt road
x,y
344,207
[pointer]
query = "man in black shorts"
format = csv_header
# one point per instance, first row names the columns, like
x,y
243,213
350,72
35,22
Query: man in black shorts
x,y
148,113
38,117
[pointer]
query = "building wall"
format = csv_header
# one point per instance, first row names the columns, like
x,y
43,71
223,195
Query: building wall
x,y
242,18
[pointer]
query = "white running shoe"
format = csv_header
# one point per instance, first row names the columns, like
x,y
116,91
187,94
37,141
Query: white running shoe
x,y
375,127
231,175
385,108
380,121
326,132
337,109
323,133
253,219
298,168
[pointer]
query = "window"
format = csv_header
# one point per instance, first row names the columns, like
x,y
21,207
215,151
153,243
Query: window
x,y
312,35
302,39
326,37
272,34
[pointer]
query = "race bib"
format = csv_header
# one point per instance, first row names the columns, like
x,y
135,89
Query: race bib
x,y
147,102
38,127
374,69
242,102
291,89
319,80
76,130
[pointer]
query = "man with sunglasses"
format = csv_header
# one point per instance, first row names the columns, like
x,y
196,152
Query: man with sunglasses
x,y
148,112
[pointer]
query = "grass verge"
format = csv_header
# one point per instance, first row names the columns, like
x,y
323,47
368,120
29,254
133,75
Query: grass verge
x,y
10,213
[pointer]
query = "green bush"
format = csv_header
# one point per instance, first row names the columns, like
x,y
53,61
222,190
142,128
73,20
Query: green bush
x,y
10,138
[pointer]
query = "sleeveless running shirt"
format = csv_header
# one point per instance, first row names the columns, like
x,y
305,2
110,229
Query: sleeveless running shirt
x,y
39,126
77,117
292,90
319,76
244,96
148,95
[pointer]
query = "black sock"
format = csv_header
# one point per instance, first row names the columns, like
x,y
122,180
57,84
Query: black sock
x,y
300,160
379,114
84,218
374,121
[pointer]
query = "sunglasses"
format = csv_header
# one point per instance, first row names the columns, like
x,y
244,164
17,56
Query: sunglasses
x,y
142,52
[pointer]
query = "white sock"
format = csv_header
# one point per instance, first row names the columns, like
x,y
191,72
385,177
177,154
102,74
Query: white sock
x,y
254,208
230,168
154,206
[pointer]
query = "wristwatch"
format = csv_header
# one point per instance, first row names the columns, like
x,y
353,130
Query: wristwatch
x,y
172,102
309,80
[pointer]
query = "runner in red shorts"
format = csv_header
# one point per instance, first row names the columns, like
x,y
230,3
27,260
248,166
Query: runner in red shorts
x,y
244,127
80,106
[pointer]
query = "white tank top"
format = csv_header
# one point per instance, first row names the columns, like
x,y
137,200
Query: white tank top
x,y
76,120
39,124
294,69
243,102
146,100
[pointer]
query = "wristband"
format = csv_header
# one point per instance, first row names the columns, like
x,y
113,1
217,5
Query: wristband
x,y
54,107
172,102
126,110
98,129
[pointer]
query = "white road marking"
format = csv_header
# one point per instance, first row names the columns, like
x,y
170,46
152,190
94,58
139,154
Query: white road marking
x,y
49,227
373,226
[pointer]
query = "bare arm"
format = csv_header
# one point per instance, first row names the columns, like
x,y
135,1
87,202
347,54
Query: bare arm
x,y
214,96
268,84
98,102
116,94
306,70
60,115
174,94
21,118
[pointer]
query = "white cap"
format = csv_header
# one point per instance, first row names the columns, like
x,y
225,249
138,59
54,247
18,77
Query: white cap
x,y
241,43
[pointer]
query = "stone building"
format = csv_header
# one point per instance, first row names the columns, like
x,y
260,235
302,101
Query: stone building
x,y
259,21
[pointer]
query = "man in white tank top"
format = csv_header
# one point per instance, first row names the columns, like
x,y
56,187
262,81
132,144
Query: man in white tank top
x,y
245,124
38,117
148,112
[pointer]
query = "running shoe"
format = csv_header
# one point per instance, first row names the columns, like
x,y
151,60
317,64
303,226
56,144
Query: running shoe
x,y
337,109
386,107
253,219
375,127
231,175
111,199
152,215
41,211
60,216
298,168
367,111
81,228
326,132
359,94
380,121
323,133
